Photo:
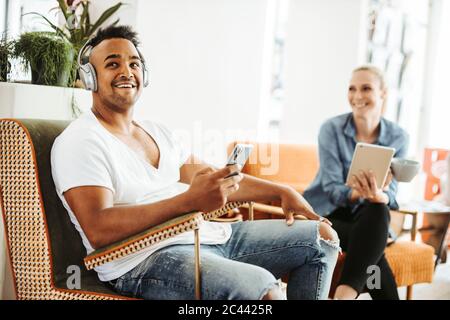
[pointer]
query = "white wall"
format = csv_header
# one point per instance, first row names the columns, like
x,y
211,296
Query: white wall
x,y
436,131
205,60
2,15
325,41
127,12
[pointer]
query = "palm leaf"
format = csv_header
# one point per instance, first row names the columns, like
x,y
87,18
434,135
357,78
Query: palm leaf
x,y
77,37
58,30
55,9
115,22
84,18
63,6
105,15
88,18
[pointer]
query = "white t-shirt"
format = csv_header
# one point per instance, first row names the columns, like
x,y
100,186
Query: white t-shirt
x,y
86,154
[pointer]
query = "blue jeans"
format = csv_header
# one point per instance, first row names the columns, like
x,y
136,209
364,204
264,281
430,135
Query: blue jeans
x,y
244,268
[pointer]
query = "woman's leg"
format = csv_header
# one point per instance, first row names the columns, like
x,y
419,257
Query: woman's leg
x,y
307,251
365,247
343,220
388,287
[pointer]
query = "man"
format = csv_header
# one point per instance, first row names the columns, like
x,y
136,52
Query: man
x,y
117,176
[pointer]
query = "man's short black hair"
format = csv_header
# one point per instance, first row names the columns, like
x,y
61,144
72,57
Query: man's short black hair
x,y
112,31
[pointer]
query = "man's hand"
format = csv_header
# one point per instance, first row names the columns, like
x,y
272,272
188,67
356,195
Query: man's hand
x,y
365,185
293,203
209,189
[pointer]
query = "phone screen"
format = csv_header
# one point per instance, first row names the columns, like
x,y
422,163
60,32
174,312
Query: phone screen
x,y
239,156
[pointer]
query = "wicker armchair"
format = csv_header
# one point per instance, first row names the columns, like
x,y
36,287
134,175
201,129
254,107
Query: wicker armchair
x,y
41,240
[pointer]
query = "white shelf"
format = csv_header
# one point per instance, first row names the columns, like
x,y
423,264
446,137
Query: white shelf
x,y
19,100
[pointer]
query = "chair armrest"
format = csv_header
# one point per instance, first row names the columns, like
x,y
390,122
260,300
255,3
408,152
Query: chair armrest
x,y
188,222
414,214
231,216
404,211
232,219
213,215
266,208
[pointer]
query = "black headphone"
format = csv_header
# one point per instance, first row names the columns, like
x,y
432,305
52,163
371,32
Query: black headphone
x,y
87,71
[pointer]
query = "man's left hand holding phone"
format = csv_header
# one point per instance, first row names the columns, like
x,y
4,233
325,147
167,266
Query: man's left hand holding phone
x,y
210,188
239,156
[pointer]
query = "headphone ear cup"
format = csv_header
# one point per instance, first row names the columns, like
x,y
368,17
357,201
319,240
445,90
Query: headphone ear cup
x,y
88,76
145,76
94,78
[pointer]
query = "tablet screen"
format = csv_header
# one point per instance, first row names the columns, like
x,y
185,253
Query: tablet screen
x,y
371,157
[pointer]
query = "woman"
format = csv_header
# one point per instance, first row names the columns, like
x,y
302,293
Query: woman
x,y
359,213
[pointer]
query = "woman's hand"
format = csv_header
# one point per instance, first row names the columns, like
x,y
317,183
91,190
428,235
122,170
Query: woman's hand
x,y
388,180
365,185
293,203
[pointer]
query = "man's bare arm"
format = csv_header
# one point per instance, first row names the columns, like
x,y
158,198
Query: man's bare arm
x,y
250,188
255,189
292,202
103,223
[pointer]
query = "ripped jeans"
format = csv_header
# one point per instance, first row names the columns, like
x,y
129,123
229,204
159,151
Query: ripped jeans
x,y
246,267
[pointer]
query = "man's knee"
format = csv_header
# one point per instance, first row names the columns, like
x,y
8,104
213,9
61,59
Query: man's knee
x,y
250,283
327,232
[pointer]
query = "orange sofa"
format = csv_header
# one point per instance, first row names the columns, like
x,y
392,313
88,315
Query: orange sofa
x,y
268,161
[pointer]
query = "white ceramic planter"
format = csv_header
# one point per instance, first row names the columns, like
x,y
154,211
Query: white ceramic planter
x,y
18,100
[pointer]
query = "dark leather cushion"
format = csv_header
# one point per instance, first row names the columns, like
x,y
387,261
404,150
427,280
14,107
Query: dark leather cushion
x,y
66,246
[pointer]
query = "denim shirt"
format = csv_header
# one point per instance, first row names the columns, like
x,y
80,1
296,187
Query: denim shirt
x,y
337,142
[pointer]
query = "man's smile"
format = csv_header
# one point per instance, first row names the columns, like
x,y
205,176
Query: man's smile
x,y
125,85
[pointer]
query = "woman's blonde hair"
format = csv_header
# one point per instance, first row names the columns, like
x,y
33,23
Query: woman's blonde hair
x,y
375,71
380,75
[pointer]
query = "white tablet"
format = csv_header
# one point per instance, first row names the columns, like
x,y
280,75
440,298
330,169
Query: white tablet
x,y
371,157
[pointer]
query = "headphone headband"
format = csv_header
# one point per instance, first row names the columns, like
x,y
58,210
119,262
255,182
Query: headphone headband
x,y
87,71
82,50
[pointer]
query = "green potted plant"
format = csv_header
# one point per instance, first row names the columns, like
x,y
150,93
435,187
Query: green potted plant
x,y
49,57
6,50
78,26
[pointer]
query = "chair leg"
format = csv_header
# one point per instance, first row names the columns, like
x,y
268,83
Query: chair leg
x,y
409,290
251,215
198,290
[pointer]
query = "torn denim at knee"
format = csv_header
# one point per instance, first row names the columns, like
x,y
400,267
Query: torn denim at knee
x,y
335,244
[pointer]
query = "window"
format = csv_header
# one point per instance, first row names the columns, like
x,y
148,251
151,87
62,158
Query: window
x,y
16,22
397,44
272,97
438,128
3,4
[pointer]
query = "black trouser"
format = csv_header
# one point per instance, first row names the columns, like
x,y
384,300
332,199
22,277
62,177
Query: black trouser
x,y
363,235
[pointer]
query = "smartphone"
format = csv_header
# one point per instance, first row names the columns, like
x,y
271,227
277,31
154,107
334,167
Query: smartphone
x,y
239,156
